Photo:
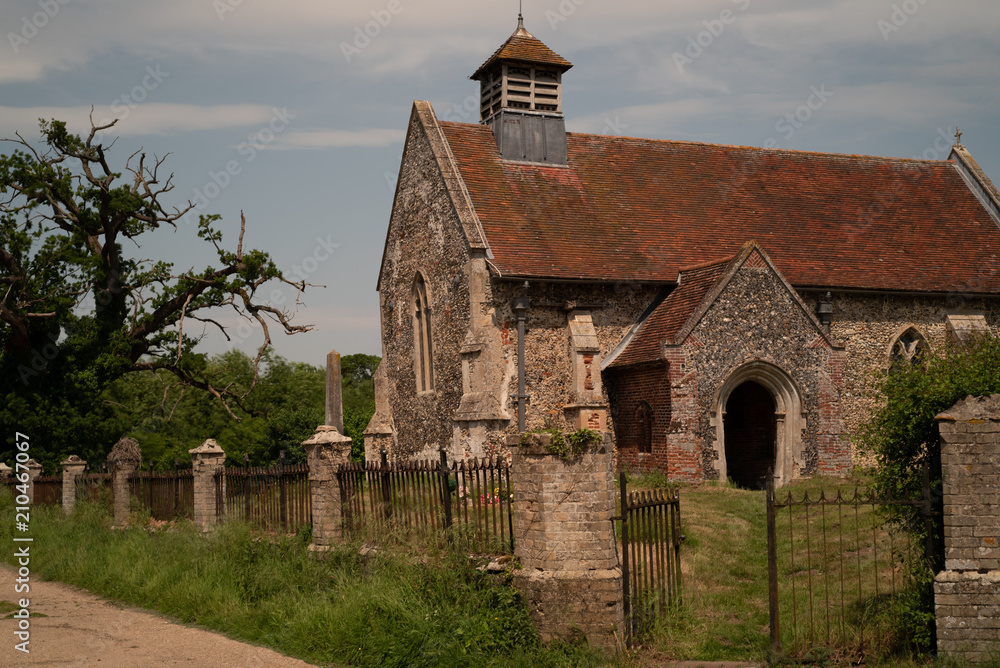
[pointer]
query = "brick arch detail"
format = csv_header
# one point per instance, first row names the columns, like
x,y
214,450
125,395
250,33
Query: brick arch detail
x,y
791,419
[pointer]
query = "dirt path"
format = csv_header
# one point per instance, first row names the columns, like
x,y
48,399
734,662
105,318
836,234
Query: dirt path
x,y
80,629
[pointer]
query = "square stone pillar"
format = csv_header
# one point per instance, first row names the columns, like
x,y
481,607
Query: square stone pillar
x,y
206,460
564,539
34,470
967,591
72,468
326,451
124,460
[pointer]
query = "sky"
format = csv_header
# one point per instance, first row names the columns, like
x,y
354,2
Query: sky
x,y
295,112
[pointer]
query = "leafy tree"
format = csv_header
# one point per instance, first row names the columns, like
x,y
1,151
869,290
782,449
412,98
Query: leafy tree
x,y
903,434
78,312
357,374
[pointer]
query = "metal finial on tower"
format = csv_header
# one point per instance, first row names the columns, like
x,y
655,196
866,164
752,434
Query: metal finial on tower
x,y
520,11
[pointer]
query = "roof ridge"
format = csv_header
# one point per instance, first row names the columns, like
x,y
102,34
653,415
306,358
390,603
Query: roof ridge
x,y
706,265
746,147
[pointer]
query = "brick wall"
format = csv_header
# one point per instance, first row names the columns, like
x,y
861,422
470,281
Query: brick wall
x,y
627,389
967,592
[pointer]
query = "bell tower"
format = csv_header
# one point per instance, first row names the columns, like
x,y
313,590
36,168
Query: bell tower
x,y
521,99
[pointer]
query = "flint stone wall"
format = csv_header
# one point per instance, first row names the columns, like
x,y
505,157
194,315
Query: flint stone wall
x,y
967,592
867,327
424,235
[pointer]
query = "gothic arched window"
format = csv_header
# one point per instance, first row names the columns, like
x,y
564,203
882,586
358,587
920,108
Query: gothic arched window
x,y
644,426
908,347
423,357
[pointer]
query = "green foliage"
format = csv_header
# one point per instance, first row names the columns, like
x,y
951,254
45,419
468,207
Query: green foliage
x,y
566,447
79,311
903,434
344,609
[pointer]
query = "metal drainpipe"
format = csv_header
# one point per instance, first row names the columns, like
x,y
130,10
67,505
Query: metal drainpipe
x,y
521,306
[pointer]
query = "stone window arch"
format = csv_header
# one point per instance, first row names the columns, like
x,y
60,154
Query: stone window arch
x,y
643,420
423,350
908,346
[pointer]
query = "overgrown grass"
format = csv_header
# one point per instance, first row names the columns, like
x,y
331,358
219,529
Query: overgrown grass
x,y
725,612
382,610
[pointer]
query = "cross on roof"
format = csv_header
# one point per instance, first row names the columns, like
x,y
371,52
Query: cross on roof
x,y
958,137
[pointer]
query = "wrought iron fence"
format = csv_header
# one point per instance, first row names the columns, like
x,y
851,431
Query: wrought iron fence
x,y
168,495
838,569
468,501
650,538
48,490
272,497
94,486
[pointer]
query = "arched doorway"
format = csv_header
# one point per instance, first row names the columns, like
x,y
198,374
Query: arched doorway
x,y
786,411
751,433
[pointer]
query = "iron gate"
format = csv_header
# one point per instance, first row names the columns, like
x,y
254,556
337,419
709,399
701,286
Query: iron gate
x,y
650,537
837,566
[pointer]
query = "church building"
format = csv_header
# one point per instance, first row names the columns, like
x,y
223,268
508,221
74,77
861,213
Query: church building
x,y
723,311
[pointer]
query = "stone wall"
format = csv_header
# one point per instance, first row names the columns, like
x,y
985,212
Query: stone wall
x,y
867,326
424,236
565,541
967,591
755,319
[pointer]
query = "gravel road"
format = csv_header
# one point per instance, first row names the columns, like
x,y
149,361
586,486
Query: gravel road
x,y
80,629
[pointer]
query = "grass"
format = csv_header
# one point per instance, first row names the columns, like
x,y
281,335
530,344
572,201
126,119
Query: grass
x,y
725,613
387,610
382,610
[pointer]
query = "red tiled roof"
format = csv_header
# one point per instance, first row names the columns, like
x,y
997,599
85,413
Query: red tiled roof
x,y
524,47
665,321
640,209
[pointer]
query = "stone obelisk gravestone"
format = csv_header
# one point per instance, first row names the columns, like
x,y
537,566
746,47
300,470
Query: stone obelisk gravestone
x,y
334,397
326,451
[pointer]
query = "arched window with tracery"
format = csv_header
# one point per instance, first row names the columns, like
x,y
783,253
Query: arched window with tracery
x,y
423,357
644,426
908,347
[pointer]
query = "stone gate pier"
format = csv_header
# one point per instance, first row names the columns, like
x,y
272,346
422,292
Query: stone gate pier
x,y
967,591
565,542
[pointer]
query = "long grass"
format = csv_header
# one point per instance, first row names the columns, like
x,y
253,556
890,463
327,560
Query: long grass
x,y
725,613
384,610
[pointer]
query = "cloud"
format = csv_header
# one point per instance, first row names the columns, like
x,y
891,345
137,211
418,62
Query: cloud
x,y
153,118
316,138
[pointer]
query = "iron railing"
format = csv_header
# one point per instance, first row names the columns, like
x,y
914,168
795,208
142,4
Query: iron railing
x,y
650,538
168,495
837,567
94,486
469,502
273,497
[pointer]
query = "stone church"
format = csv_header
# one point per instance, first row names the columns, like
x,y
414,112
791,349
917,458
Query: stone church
x,y
721,310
